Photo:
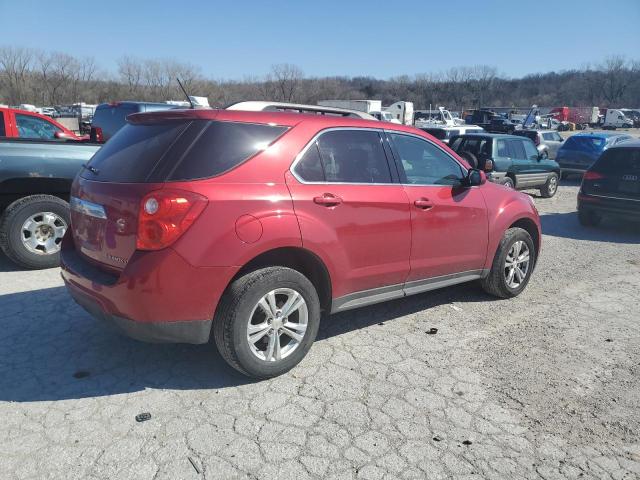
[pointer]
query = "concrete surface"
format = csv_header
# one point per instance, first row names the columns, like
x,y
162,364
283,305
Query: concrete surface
x,y
542,386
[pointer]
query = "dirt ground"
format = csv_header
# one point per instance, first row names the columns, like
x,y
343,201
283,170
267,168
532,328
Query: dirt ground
x,y
546,385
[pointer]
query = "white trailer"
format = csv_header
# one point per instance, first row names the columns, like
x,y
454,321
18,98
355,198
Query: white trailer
x,y
401,111
366,106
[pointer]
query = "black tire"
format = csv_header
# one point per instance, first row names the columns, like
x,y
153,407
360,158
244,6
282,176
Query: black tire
x,y
588,218
550,188
11,224
470,158
234,311
508,182
495,283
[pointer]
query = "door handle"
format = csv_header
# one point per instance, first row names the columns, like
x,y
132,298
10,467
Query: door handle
x,y
327,200
423,203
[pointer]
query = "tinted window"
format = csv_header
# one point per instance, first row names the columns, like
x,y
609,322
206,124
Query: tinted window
x,y
111,118
2,130
530,150
424,163
516,149
455,143
34,127
179,150
480,147
353,156
133,153
585,144
223,146
309,168
501,149
619,161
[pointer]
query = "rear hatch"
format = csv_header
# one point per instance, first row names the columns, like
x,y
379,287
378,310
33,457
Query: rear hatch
x,y
143,157
615,174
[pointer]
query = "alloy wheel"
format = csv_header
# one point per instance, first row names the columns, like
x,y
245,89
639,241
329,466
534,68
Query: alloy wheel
x,y
517,264
277,324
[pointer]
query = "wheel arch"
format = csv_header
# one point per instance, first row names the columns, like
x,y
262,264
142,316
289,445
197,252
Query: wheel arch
x,y
532,229
299,259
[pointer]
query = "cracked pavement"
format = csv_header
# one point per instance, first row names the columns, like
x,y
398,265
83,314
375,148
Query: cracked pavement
x,y
542,386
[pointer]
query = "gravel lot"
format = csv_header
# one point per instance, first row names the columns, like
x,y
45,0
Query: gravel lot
x,y
542,386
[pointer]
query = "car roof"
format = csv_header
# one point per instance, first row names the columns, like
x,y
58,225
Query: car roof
x,y
635,143
131,102
598,135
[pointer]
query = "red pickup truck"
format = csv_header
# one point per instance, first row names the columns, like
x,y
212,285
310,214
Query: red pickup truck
x,y
23,124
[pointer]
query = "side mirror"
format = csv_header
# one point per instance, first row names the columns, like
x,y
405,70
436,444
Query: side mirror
x,y
543,152
475,177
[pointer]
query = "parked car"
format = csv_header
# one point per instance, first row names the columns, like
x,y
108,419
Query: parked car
x,y
247,225
445,133
611,186
503,125
35,181
513,161
15,123
581,150
550,139
108,118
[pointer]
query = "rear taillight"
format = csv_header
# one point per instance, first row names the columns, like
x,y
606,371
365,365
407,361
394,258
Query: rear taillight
x,y
165,215
589,175
96,134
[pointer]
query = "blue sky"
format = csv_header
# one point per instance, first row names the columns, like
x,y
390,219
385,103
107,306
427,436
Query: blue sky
x,y
378,38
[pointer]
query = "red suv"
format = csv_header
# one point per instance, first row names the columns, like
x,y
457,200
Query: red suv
x,y
249,225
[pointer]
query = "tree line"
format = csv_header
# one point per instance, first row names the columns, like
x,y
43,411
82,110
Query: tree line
x,y
46,78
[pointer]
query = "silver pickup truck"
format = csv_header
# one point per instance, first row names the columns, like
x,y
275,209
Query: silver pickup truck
x,y
35,181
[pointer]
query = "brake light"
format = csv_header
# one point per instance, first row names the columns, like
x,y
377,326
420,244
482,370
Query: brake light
x,y
97,134
589,175
165,215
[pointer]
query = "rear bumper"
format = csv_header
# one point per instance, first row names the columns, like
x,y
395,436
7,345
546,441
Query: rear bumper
x,y
158,297
611,206
190,331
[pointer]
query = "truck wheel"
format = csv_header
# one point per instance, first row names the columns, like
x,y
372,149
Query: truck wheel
x,y
550,188
267,321
512,265
31,230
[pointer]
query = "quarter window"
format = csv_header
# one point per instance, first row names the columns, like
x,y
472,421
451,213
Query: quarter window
x,y
424,163
345,156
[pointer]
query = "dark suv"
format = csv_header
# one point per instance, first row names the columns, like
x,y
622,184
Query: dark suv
x,y
245,226
510,160
111,117
612,185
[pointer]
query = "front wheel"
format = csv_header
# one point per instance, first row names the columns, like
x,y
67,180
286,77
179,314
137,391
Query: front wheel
x,y
267,321
512,265
508,182
550,188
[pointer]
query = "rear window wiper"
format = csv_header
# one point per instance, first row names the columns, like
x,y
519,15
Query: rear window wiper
x,y
93,170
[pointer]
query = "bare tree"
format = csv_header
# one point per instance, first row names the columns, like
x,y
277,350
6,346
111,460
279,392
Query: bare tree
x,y
15,66
130,70
286,78
615,80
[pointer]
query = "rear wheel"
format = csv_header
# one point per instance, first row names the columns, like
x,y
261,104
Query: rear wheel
x,y
267,321
512,265
550,188
31,231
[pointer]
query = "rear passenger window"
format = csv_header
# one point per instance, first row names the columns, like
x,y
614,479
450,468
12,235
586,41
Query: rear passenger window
x,y
309,168
353,156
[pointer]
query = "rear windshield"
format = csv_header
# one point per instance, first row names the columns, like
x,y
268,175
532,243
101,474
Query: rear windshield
x,y
619,161
178,150
586,144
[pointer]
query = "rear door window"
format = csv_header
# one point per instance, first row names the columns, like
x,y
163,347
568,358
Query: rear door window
x,y
353,156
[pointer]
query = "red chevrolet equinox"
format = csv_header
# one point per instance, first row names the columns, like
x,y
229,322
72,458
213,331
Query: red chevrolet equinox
x,y
246,226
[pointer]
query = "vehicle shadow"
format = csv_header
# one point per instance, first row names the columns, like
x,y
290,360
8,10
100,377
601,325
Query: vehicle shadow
x,y
7,265
612,230
51,349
